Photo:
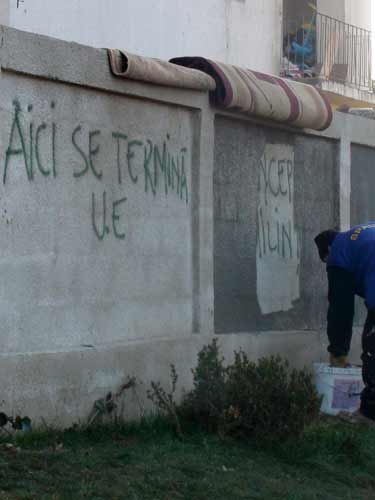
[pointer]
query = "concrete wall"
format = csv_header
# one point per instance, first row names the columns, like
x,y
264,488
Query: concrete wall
x,y
244,32
117,198
109,268
362,207
362,181
267,185
100,190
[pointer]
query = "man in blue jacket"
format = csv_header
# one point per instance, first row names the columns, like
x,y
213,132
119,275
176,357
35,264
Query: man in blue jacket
x,y
350,258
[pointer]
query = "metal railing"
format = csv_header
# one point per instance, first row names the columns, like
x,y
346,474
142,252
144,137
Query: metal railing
x,y
326,48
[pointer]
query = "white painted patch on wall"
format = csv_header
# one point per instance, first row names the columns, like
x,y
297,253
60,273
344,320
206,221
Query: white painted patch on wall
x,y
278,256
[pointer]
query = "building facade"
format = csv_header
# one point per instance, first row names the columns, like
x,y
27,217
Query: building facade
x,y
242,32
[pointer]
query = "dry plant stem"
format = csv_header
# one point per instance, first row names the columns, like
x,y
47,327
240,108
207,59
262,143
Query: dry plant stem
x,y
108,404
165,402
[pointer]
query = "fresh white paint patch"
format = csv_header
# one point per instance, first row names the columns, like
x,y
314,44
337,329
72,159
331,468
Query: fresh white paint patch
x,y
278,256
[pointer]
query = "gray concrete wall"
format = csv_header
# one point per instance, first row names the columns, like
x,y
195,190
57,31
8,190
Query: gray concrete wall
x,y
273,192
362,181
97,217
109,268
362,208
106,240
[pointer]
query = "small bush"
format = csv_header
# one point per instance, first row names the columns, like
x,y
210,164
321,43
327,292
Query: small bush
x,y
271,401
206,403
265,400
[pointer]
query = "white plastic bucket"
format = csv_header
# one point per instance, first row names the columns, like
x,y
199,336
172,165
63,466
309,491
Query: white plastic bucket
x,y
340,388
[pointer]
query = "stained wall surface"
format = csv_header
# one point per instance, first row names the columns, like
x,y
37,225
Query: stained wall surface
x,y
273,193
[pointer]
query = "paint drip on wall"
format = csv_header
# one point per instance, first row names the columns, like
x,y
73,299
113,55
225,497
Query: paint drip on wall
x,y
278,255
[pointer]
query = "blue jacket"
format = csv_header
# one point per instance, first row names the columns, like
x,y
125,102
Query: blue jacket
x,y
354,250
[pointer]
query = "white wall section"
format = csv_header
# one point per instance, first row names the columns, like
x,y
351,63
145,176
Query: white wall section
x,y
243,32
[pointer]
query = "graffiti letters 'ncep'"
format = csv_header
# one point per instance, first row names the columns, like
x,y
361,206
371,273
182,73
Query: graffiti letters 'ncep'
x,y
277,241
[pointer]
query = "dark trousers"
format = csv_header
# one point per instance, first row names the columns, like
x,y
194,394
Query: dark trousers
x,y
368,366
339,329
340,310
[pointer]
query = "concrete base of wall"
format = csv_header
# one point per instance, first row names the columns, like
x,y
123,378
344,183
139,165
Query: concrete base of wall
x,y
61,387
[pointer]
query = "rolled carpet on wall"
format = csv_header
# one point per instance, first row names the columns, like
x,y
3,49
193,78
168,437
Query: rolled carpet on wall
x,y
156,71
265,96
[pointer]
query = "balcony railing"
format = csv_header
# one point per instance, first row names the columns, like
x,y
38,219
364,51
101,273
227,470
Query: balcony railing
x,y
326,48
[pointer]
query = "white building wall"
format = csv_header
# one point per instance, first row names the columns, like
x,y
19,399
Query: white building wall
x,y
356,12
244,32
332,8
4,11
254,33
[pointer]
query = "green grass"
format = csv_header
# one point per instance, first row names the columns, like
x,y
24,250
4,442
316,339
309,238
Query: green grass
x,y
146,462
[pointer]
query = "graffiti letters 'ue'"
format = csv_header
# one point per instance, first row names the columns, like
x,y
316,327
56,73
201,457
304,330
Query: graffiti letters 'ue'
x,y
158,168
278,256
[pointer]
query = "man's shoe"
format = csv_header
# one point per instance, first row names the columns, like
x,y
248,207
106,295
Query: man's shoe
x,y
338,361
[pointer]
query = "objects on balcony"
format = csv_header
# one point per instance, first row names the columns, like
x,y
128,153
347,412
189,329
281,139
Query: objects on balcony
x,y
327,48
299,49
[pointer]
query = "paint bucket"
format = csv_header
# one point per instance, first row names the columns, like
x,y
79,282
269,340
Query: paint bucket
x,y
339,387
